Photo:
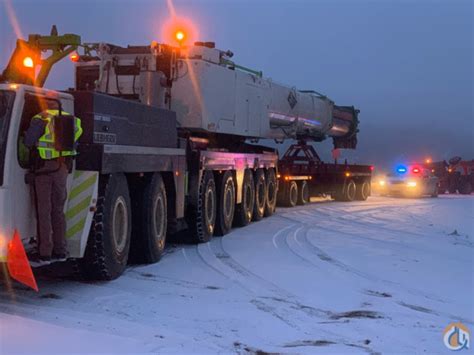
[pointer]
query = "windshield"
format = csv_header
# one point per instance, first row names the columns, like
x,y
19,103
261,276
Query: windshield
x,y
6,104
6,101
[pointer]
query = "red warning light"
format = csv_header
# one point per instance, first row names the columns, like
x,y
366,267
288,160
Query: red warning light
x,y
415,170
74,57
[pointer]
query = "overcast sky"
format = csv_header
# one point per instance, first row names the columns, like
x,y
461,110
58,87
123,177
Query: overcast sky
x,y
408,65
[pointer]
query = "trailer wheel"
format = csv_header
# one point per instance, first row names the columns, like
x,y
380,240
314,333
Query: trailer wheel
x,y
465,187
108,245
303,193
149,221
226,203
346,193
203,217
260,195
288,196
362,191
244,211
271,192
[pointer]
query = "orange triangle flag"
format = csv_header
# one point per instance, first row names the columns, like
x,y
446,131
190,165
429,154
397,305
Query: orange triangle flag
x,y
18,264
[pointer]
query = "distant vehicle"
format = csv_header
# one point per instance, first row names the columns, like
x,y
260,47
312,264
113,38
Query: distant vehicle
x,y
411,181
456,175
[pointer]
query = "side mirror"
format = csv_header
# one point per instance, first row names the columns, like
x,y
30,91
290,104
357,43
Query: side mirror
x,y
64,132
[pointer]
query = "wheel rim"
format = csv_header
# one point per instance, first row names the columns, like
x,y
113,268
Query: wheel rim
x,y
248,204
229,200
305,192
260,195
159,220
351,190
210,208
271,191
293,193
120,224
366,190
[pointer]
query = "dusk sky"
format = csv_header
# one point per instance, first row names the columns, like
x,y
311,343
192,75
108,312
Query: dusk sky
x,y
407,65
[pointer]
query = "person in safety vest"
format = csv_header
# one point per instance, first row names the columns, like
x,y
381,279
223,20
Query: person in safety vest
x,y
51,160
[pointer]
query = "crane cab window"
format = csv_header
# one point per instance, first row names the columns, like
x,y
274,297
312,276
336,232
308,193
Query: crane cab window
x,y
34,104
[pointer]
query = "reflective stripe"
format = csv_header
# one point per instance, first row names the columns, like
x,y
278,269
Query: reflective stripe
x,y
82,187
78,227
71,213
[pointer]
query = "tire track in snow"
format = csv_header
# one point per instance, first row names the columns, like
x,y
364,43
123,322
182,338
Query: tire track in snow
x,y
321,254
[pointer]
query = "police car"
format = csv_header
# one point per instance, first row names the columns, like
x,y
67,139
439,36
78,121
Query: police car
x,y
409,181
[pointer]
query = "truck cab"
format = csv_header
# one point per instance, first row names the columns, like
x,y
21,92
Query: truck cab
x,y
18,105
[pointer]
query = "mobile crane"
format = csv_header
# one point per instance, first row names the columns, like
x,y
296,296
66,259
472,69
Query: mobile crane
x,y
164,147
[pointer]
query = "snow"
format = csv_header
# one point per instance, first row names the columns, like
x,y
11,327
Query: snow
x,y
385,275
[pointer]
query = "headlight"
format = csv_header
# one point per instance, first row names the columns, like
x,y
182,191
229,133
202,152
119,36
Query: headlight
x,y
411,183
382,182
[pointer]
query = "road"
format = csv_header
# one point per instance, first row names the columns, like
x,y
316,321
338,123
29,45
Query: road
x,y
385,275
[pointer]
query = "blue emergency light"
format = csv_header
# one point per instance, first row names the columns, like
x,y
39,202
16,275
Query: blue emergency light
x,y
401,169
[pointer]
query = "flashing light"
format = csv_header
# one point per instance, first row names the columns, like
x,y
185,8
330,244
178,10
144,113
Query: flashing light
x,y
401,169
28,62
450,170
372,168
13,86
278,176
74,57
382,182
287,178
411,183
179,35
347,174
428,160
415,170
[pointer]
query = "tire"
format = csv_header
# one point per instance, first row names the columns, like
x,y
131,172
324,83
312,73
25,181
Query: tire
x,y
244,211
465,187
108,244
288,196
346,193
362,191
202,216
260,195
271,192
226,203
150,218
303,193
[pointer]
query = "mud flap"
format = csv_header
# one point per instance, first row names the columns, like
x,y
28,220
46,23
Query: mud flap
x,y
82,199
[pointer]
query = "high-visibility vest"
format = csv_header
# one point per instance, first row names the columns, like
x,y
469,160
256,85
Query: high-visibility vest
x,y
46,147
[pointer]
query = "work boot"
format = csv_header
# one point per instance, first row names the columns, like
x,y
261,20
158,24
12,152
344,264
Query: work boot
x,y
37,260
59,257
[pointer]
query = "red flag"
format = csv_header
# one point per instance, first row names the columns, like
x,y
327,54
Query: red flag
x,y
18,264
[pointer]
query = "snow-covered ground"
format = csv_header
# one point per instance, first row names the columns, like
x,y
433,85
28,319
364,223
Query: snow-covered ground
x,y
386,275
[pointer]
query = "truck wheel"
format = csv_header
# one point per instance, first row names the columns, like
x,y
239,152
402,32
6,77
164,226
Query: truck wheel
x,y
260,195
271,192
346,193
303,195
108,245
244,211
226,203
465,187
288,196
203,217
362,191
149,221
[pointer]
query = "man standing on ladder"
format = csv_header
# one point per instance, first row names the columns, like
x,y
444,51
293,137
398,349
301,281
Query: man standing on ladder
x,y
52,139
